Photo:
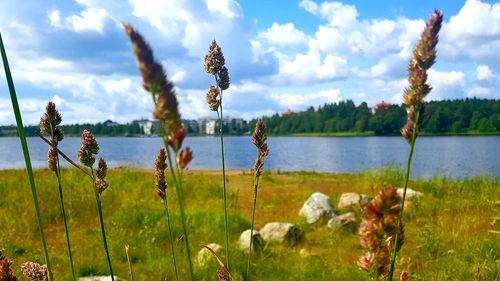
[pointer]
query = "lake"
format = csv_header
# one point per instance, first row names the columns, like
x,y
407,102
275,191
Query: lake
x,y
452,156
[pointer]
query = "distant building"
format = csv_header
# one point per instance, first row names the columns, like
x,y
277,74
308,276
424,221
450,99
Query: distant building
x,y
207,126
190,126
149,127
382,104
287,113
110,123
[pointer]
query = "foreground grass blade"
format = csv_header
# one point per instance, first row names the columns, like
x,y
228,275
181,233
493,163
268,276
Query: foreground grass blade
x,y
22,138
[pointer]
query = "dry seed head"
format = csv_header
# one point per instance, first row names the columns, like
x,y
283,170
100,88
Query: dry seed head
x,y
223,81
155,81
378,230
259,135
212,98
101,171
223,274
214,59
6,273
153,75
160,166
34,271
404,276
50,119
184,157
88,149
51,158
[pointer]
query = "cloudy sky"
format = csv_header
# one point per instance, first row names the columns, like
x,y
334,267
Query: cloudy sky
x,y
281,54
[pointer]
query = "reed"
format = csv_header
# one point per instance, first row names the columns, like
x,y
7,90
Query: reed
x,y
259,138
154,80
49,124
424,56
26,154
87,153
215,66
161,188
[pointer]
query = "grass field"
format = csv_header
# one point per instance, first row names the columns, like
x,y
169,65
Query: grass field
x,y
450,232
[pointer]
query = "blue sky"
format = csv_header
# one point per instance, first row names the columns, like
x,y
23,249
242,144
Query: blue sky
x,y
281,54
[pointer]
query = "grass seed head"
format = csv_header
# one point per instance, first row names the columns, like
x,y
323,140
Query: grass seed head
x,y
34,271
176,138
160,166
213,98
184,157
51,157
6,273
223,81
214,59
259,138
101,171
50,119
88,149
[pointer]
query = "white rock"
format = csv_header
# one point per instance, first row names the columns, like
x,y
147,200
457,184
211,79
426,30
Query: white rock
x,y
318,207
410,194
346,222
282,233
352,201
204,256
244,241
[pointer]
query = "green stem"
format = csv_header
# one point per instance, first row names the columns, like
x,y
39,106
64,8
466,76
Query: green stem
x,y
255,188
24,145
171,237
180,195
221,134
58,175
407,178
101,221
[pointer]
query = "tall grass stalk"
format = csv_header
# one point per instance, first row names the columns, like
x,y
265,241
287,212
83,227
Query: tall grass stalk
x,y
407,178
101,222
171,237
129,261
259,138
215,66
24,145
424,56
61,199
255,189
224,190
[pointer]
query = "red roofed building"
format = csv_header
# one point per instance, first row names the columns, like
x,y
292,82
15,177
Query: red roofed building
x,y
382,104
287,113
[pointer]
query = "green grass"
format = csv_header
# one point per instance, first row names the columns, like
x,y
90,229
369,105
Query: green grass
x,y
448,232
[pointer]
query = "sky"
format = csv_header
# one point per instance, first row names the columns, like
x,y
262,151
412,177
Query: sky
x,y
281,54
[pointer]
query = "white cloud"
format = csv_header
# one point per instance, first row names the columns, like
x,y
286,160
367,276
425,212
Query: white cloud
x,y
446,85
300,101
227,8
283,35
480,92
483,72
89,19
336,13
473,34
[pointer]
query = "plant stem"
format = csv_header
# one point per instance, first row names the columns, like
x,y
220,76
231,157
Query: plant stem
x,y
101,221
59,185
221,134
407,178
129,261
24,145
171,237
255,188
178,190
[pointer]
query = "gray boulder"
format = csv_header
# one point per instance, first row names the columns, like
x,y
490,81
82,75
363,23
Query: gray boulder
x,y
317,209
346,222
244,241
281,232
352,201
410,194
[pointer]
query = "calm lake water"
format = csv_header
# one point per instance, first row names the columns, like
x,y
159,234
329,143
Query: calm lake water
x,y
452,156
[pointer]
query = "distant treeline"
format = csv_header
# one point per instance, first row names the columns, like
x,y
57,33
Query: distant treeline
x,y
99,129
469,116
